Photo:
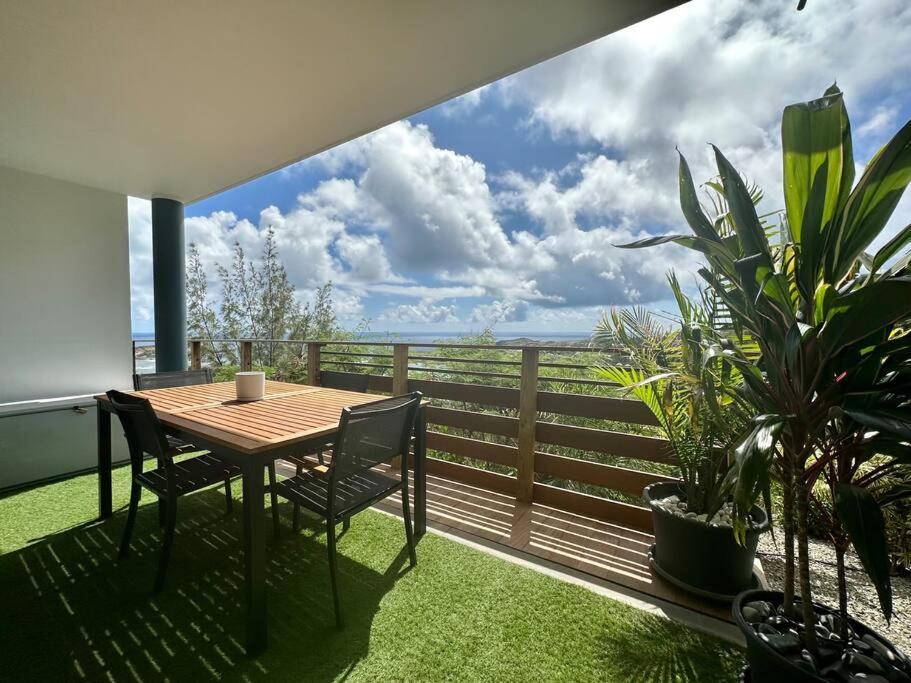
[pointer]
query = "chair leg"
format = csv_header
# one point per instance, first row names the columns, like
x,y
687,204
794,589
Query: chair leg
x,y
229,499
296,524
296,519
162,506
319,456
333,570
346,524
166,544
409,532
135,494
273,497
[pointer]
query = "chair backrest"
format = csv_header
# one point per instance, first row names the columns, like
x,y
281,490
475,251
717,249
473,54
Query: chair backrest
x,y
349,381
176,378
141,427
372,434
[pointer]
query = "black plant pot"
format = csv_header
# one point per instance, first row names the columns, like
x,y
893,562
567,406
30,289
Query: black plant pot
x,y
703,559
768,666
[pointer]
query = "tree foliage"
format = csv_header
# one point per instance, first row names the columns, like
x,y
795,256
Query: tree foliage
x,y
258,302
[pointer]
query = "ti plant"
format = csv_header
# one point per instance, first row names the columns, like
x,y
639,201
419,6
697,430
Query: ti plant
x,y
831,385
690,394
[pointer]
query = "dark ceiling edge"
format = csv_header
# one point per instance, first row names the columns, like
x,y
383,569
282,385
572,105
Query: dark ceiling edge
x,y
509,71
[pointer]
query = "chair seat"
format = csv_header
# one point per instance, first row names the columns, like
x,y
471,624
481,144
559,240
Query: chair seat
x,y
190,475
311,490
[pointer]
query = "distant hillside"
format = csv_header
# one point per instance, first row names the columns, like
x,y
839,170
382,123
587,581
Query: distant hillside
x,y
525,341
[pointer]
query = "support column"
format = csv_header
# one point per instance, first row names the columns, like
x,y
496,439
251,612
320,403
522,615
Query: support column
x,y
169,284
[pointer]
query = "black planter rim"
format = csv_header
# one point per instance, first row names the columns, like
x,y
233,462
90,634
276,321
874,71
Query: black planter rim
x,y
652,495
778,598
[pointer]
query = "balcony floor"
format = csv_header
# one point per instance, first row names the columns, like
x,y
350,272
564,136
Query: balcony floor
x,y
73,612
606,551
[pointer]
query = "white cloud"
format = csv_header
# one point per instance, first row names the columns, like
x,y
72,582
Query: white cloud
x,y
404,217
139,214
366,259
426,292
712,71
881,122
423,312
463,106
501,312
439,217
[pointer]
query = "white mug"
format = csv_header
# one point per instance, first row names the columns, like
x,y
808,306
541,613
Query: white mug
x,y
251,386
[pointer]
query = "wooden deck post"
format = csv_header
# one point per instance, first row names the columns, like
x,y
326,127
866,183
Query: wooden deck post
x,y
399,369
399,381
246,356
313,353
196,355
528,413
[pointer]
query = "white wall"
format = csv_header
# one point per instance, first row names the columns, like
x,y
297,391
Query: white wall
x,y
64,288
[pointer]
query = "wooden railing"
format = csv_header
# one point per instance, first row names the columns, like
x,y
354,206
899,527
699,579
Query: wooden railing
x,y
531,424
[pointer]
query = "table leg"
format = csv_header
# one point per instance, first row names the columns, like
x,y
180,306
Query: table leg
x,y
103,419
255,557
420,474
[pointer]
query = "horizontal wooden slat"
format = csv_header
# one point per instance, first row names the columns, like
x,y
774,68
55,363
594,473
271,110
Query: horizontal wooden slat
x,y
472,448
596,407
379,383
466,373
374,382
472,476
573,380
592,506
356,364
357,354
479,361
620,479
620,444
470,393
475,422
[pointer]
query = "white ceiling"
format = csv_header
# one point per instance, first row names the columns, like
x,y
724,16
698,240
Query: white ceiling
x,y
185,98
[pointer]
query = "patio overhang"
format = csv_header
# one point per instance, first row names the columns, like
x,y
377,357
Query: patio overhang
x,y
177,102
188,100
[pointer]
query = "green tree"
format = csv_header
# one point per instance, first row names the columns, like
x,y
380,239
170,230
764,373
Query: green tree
x,y
202,319
278,309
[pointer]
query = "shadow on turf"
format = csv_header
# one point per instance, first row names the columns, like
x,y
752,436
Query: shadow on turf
x,y
72,612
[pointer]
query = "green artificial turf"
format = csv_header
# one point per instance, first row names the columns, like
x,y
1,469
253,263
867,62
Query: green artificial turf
x,y
70,611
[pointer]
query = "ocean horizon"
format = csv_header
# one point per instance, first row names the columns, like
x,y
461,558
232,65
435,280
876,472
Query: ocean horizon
x,y
431,337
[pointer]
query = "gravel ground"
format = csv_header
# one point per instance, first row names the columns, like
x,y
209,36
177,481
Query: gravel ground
x,y
862,601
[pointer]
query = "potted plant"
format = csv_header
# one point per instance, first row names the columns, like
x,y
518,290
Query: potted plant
x,y
831,382
692,397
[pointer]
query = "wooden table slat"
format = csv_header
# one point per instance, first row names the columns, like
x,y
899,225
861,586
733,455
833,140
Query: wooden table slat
x,y
288,412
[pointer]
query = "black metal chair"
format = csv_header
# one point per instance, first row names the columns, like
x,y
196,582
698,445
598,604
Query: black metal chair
x,y
347,381
166,380
368,435
176,378
169,480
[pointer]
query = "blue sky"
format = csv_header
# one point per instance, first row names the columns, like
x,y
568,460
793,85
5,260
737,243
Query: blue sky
x,y
501,208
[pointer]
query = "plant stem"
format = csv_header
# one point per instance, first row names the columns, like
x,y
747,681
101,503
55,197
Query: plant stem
x,y
840,548
806,590
788,523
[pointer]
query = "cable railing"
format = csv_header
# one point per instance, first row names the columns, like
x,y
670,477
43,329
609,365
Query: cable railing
x,y
499,423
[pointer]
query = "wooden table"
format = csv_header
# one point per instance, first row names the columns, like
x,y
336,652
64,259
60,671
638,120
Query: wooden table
x,y
292,418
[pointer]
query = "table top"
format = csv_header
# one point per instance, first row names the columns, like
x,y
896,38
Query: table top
x,y
287,414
